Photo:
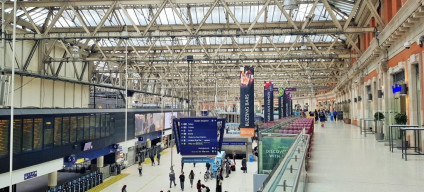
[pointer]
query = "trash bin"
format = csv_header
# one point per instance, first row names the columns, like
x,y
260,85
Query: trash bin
x,y
250,158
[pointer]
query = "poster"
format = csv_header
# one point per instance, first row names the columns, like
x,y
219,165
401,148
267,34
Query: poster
x,y
168,119
247,115
140,123
268,102
271,150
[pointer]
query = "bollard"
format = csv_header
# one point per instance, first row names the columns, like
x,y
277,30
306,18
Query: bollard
x,y
291,168
295,158
284,185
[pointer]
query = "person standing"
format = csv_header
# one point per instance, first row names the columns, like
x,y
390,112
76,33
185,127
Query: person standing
x,y
322,117
124,188
234,157
199,186
172,178
152,158
244,165
140,168
158,157
316,116
208,166
219,179
191,177
227,168
182,179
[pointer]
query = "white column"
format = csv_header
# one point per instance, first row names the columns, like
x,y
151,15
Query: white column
x,y
52,179
100,162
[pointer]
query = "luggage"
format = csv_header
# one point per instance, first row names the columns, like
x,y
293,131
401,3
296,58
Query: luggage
x,y
233,168
242,168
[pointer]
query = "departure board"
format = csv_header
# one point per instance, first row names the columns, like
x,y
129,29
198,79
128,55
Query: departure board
x,y
198,136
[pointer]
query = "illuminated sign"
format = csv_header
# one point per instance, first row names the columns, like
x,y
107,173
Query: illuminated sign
x,y
396,88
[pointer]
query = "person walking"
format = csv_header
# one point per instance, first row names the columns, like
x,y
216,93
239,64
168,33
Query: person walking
x,y
172,178
227,169
182,179
335,115
244,165
158,157
152,158
234,157
191,177
199,186
124,188
316,116
208,166
322,117
140,168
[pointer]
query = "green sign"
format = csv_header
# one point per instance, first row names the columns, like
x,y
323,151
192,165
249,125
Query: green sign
x,y
271,150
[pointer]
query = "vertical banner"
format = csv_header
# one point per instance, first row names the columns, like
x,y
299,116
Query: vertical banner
x,y
280,102
247,105
268,101
287,104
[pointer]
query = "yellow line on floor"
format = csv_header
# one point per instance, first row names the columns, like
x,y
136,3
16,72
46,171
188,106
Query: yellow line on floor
x,y
147,161
108,183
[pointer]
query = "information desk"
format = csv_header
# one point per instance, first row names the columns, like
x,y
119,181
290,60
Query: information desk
x,y
416,139
364,128
391,133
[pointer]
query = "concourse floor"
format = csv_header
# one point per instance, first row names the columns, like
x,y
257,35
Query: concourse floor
x,y
343,160
155,178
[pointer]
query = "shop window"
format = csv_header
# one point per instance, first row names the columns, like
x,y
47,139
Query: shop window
x,y
38,133
4,137
17,135
27,135
92,126
57,131
86,127
103,125
73,130
65,131
98,126
80,130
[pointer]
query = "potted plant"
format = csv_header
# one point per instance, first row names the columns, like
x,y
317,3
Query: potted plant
x,y
401,119
379,135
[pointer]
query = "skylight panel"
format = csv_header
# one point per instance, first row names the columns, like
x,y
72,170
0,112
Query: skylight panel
x,y
200,14
238,13
133,16
209,17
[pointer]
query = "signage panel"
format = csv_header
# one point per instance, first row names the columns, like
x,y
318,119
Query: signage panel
x,y
271,150
247,132
268,102
198,136
30,175
247,104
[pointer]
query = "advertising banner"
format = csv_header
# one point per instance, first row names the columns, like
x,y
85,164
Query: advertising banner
x,y
271,150
247,105
287,105
268,102
280,102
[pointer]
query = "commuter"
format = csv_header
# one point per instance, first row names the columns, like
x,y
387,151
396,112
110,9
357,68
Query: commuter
x,y
234,157
124,188
244,165
219,179
335,115
194,164
227,168
191,177
172,178
316,115
140,168
158,157
208,166
182,179
199,186
182,165
322,117
152,158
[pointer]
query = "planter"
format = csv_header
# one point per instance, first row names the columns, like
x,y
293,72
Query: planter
x,y
347,121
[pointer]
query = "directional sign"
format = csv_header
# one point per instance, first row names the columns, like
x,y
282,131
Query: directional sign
x,y
198,136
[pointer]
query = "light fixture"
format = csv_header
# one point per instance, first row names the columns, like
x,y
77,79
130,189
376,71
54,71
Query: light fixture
x,y
290,4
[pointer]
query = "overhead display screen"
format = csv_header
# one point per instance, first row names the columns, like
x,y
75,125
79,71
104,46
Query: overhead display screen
x,y
198,136
147,123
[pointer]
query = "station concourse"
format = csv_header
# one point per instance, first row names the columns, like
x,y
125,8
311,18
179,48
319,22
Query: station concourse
x,y
272,95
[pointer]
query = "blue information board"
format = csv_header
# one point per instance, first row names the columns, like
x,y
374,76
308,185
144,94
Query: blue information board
x,y
198,136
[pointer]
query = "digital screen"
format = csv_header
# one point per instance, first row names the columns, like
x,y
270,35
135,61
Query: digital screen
x,y
198,136
140,123
87,146
148,123
168,119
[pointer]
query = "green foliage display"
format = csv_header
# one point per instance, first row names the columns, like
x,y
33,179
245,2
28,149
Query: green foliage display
x,y
378,116
401,119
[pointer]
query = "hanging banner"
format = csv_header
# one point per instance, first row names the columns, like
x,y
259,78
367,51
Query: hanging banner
x,y
287,105
280,102
268,102
247,105
284,105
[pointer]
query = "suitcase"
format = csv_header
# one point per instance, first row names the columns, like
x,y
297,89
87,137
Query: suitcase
x,y
233,168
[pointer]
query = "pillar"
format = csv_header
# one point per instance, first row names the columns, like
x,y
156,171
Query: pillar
x,y
52,179
100,162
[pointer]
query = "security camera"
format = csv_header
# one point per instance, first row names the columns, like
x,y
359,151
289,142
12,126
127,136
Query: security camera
x,y
407,45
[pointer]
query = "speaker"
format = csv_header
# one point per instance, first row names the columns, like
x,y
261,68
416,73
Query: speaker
x,y
380,94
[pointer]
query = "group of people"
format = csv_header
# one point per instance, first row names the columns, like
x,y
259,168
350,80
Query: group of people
x,y
199,186
152,158
322,115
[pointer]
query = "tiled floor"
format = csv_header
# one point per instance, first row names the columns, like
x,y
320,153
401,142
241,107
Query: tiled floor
x,y
345,161
156,178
